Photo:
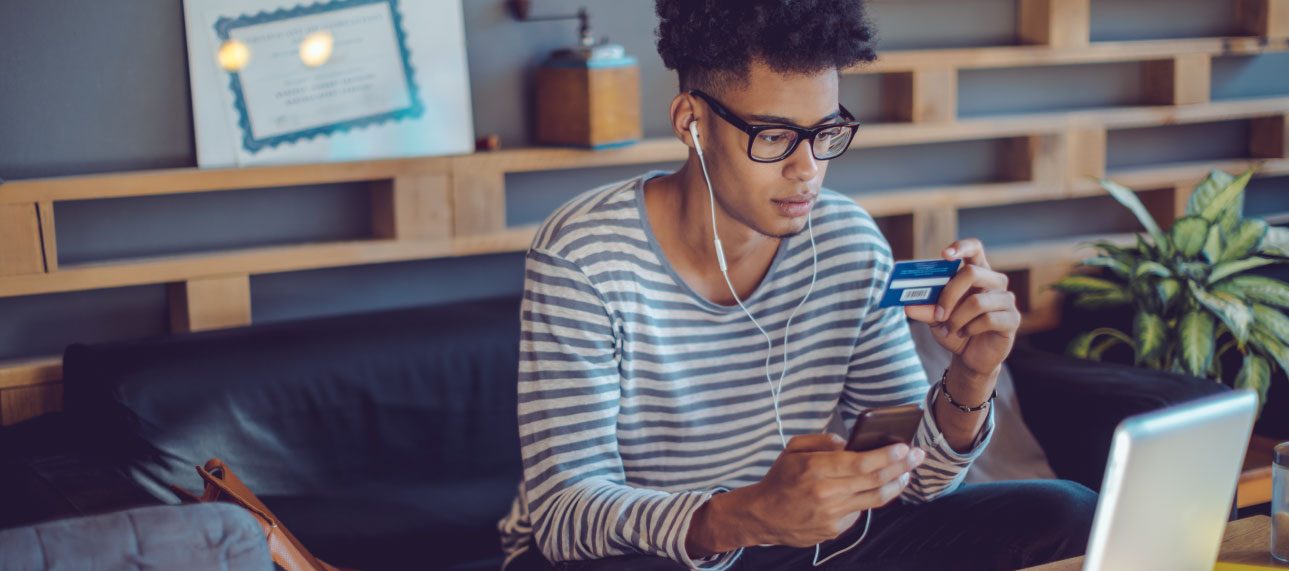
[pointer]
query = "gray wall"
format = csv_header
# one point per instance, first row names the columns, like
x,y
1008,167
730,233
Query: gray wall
x,y
89,86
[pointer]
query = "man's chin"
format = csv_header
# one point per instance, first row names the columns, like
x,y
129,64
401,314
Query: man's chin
x,y
786,231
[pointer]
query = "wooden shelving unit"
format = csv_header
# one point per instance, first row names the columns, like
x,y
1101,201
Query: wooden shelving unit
x,y
1049,157
1044,55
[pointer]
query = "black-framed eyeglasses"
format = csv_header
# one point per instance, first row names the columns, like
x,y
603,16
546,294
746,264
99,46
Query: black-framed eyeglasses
x,y
773,143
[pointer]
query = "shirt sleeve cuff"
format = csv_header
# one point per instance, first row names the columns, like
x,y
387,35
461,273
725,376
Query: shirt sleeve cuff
x,y
716,562
941,445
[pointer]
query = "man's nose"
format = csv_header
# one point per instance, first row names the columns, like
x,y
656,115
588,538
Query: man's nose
x,y
801,164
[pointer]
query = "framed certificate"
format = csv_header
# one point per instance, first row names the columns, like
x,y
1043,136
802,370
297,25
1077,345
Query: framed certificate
x,y
279,82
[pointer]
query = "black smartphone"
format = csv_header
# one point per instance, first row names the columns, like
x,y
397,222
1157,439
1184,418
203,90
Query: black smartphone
x,y
878,427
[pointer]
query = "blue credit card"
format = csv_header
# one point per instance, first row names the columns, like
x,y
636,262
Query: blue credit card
x,y
918,282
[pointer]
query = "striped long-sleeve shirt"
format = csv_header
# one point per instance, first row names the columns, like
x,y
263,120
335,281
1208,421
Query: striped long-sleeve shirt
x,y
639,398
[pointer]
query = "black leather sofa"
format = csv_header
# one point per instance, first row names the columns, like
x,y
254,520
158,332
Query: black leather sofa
x,y
389,440
382,440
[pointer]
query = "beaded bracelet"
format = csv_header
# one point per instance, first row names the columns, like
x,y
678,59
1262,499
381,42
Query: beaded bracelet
x,y
944,388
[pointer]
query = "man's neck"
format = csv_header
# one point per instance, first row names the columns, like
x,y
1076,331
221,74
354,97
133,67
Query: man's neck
x,y
679,211
687,206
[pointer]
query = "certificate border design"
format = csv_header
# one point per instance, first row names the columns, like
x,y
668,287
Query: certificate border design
x,y
224,25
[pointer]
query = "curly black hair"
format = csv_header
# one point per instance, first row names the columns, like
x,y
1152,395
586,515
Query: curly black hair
x,y
710,43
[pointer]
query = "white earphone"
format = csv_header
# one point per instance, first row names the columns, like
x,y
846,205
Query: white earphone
x,y
774,391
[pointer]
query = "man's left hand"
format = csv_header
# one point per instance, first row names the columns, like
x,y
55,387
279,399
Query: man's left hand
x,y
975,317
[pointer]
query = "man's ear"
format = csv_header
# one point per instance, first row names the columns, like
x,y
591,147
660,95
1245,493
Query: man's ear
x,y
683,112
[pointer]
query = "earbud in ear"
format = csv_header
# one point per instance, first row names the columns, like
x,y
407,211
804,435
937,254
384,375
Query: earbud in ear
x,y
693,132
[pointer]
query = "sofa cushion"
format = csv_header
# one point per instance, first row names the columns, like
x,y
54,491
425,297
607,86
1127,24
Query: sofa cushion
x,y
198,537
1074,405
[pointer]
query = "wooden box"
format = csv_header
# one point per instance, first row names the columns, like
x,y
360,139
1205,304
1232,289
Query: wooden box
x,y
588,103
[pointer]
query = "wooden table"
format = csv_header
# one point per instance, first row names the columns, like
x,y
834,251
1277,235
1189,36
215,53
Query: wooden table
x,y
1246,541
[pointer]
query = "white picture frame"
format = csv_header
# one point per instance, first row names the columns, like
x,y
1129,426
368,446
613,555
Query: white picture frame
x,y
280,82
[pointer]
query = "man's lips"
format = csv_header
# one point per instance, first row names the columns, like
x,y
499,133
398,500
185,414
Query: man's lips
x,y
795,199
796,206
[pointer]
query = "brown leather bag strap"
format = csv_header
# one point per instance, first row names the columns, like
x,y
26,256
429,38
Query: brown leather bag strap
x,y
287,551
241,497
221,484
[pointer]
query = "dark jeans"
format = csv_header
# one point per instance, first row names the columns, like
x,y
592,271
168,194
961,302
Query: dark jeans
x,y
998,525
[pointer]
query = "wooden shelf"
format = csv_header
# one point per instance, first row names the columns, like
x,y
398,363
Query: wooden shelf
x,y
1058,251
31,371
256,261
555,158
178,181
1095,52
906,200
276,259
1159,176
1016,125
1255,477
1162,115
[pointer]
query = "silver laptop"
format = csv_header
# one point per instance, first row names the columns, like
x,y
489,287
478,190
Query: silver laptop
x,y
1169,484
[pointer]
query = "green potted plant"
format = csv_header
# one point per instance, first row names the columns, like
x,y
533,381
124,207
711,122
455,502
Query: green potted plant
x,y
1192,297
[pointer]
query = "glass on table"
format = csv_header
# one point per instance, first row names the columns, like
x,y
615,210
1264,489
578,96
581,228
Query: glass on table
x,y
1280,503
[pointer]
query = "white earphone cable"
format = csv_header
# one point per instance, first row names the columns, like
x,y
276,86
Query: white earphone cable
x,y
814,274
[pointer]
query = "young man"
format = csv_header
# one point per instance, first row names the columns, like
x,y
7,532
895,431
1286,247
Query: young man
x,y
649,416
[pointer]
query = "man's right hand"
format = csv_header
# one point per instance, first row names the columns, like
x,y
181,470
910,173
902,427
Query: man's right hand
x,y
814,491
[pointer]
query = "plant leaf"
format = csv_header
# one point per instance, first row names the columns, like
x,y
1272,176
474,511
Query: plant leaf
x,y
1152,337
1226,198
1114,250
1230,309
1260,289
1225,269
1143,289
1206,190
1256,375
1144,249
1215,368
1271,347
1271,320
1276,242
1196,334
1213,244
1081,345
1153,268
1194,271
1085,284
1116,334
1118,267
1230,219
1167,289
1189,234
1243,239
1103,299
1128,198
1099,349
